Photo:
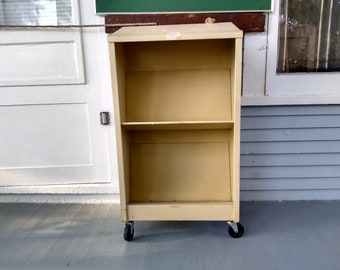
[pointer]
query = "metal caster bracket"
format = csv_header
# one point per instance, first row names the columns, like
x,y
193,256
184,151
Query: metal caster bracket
x,y
236,229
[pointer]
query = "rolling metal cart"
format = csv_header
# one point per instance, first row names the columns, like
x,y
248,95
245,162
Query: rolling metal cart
x,y
176,91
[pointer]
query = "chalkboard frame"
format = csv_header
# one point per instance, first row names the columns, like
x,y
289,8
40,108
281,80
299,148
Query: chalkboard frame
x,y
180,6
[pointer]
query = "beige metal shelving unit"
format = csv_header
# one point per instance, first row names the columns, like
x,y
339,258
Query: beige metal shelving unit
x,y
176,93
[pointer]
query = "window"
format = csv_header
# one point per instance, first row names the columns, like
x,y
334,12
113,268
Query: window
x,y
303,53
309,38
35,12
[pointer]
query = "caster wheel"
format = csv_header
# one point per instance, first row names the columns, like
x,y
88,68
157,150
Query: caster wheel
x,y
233,233
129,231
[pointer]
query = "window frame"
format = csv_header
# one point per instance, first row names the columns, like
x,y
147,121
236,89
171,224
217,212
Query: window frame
x,y
288,88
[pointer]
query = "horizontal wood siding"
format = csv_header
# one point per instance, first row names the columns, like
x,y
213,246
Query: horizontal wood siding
x,y
290,153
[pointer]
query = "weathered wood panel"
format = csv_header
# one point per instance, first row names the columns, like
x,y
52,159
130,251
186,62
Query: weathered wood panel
x,y
246,21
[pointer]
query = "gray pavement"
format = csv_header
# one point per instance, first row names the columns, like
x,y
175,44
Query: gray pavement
x,y
286,235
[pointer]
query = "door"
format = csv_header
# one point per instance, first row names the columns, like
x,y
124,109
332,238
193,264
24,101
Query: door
x,y
49,102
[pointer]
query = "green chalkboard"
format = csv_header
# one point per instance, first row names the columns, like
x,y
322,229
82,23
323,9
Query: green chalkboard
x,y
157,6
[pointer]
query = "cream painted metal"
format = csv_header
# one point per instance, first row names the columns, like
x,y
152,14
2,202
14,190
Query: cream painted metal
x,y
176,93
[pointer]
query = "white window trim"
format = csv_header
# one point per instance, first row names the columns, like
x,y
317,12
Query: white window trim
x,y
285,89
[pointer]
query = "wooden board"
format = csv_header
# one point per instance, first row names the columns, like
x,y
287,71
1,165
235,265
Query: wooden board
x,y
246,21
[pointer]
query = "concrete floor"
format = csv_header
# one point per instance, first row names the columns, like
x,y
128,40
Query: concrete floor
x,y
296,235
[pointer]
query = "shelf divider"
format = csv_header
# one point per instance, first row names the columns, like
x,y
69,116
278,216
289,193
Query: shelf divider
x,y
182,125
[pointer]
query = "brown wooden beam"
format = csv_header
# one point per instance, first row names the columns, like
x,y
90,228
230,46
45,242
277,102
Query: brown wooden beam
x,y
246,21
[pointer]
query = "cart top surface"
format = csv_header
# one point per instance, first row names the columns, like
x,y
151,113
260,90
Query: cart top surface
x,y
176,32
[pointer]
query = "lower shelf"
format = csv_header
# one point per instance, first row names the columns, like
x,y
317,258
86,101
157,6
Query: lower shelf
x,y
180,211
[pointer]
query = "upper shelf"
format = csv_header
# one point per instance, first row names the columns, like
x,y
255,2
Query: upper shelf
x,y
176,32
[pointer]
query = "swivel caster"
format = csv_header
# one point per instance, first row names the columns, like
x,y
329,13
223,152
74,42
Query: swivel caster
x,y
129,231
235,230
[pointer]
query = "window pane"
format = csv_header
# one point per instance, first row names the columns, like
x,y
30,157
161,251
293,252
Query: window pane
x,y
309,36
36,12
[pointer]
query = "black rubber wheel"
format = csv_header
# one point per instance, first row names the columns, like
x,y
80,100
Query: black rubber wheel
x,y
129,231
237,234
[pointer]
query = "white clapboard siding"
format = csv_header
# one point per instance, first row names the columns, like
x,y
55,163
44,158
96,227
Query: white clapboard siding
x,y
290,153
